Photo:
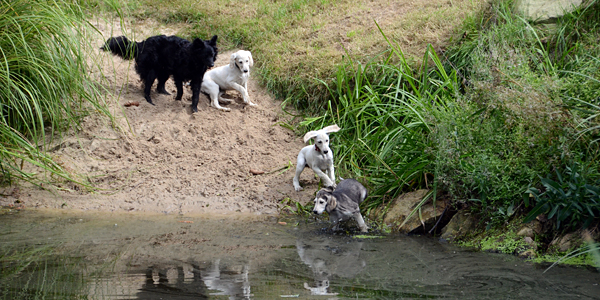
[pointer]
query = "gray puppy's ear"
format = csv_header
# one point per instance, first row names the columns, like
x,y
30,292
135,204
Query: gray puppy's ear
x,y
329,189
331,204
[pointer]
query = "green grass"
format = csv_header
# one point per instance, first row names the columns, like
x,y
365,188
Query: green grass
x,y
46,89
482,124
479,119
526,97
296,43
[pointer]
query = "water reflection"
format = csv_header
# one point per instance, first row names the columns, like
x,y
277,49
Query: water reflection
x,y
159,257
231,281
327,258
195,281
176,282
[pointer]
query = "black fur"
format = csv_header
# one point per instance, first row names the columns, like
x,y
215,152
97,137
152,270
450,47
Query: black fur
x,y
160,57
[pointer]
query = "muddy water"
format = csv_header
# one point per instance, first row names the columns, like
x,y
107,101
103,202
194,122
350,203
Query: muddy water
x,y
56,255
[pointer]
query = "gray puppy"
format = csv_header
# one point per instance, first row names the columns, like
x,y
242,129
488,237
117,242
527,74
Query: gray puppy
x,y
342,203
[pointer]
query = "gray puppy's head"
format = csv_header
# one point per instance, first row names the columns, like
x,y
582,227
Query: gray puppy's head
x,y
324,201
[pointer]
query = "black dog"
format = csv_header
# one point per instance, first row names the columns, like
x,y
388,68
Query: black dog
x,y
165,56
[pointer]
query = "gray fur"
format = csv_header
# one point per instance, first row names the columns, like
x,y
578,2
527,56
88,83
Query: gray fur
x,y
342,203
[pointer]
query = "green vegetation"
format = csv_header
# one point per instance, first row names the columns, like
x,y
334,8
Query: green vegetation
x,y
586,255
40,273
530,117
46,89
508,105
504,120
503,241
295,42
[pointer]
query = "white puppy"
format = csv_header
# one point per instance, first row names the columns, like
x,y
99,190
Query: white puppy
x,y
317,157
232,77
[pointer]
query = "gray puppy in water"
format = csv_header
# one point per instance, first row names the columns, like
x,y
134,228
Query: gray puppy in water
x,y
342,203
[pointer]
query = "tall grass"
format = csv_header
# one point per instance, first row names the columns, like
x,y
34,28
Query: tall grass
x,y
388,114
46,88
481,124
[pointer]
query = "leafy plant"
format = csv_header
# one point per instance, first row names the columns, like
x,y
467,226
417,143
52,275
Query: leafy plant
x,y
571,198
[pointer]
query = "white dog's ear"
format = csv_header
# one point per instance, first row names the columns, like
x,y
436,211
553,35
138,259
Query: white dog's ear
x,y
251,60
331,204
311,134
331,128
232,61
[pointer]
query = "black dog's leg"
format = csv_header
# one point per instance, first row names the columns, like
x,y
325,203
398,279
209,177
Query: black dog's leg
x,y
195,94
148,81
160,88
179,85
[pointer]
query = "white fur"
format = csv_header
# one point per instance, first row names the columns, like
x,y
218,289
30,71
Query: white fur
x,y
321,162
320,205
231,77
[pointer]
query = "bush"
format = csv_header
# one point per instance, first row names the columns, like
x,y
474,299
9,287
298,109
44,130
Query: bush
x,y
571,197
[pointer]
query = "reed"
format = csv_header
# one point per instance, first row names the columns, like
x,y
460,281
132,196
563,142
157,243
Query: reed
x,y
46,88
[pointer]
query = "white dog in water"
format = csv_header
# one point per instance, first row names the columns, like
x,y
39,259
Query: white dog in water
x,y
232,77
317,157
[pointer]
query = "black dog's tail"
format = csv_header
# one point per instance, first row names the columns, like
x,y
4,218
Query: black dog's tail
x,y
122,47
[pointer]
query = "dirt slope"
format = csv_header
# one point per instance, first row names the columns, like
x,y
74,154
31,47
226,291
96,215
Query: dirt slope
x,y
170,160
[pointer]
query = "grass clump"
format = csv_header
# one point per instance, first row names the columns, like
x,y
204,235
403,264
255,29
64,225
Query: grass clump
x,y
46,88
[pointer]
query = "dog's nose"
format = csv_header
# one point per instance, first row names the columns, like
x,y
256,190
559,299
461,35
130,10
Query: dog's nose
x,y
325,151
315,212
245,71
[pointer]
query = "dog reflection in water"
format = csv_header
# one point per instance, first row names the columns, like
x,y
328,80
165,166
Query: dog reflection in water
x,y
196,281
326,259
232,281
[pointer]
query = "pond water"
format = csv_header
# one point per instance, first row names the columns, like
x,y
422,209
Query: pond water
x,y
57,255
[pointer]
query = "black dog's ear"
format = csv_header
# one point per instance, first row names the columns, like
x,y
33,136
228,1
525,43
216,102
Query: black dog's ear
x,y
213,41
198,44
331,204
329,189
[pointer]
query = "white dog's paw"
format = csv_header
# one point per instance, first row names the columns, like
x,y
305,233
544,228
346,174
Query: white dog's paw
x,y
297,188
221,108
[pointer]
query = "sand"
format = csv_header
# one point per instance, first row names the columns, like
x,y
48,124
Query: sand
x,y
164,159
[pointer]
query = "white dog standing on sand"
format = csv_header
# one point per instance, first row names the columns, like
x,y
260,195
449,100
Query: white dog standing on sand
x,y
317,157
231,77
